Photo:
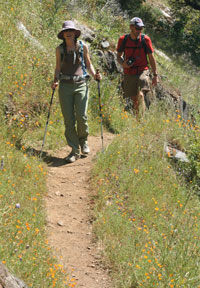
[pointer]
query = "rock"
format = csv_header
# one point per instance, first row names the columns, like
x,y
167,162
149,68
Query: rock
x,y
169,96
105,44
175,153
181,156
108,60
87,34
7,280
88,38
111,62
28,36
162,54
167,13
173,99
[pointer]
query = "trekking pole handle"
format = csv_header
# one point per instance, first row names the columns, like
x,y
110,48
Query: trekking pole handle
x,y
97,72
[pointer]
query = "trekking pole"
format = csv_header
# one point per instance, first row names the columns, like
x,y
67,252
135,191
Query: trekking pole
x,y
100,111
45,131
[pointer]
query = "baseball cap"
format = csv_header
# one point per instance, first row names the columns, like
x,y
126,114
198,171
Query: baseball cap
x,y
137,22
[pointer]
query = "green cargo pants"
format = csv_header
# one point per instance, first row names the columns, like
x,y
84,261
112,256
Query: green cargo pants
x,y
74,103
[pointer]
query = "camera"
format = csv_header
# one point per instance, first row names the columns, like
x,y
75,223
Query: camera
x,y
130,61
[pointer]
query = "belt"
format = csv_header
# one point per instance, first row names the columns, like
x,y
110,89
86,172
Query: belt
x,y
74,77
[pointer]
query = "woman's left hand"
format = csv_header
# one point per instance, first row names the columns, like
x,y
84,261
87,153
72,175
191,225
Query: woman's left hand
x,y
97,76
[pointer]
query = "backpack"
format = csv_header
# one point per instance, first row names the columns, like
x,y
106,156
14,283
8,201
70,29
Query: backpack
x,y
123,45
81,52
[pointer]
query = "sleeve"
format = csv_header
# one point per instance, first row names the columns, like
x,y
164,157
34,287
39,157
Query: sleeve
x,y
148,42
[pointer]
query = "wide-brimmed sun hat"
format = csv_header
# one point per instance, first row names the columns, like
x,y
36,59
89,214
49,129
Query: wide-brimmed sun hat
x,y
137,22
68,25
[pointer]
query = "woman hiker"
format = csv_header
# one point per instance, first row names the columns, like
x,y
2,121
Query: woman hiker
x,y
72,60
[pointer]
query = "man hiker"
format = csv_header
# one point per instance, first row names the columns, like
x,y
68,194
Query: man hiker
x,y
72,59
134,50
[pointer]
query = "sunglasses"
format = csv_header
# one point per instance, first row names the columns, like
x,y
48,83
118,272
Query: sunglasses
x,y
138,29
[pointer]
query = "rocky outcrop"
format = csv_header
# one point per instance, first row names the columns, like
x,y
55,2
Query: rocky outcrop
x,y
87,34
7,280
107,59
173,99
20,26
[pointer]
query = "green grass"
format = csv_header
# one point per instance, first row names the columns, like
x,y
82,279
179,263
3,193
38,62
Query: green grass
x,y
147,217
24,247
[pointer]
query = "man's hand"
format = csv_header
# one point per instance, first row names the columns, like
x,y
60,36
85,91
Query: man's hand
x,y
125,65
155,80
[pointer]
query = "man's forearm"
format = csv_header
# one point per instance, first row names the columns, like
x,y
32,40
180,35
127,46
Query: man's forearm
x,y
153,65
120,60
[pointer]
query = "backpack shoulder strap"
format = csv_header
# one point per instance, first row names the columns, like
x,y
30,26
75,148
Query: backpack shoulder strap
x,y
144,45
123,45
61,48
81,52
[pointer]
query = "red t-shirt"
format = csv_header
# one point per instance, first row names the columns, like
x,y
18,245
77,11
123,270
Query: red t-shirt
x,y
135,49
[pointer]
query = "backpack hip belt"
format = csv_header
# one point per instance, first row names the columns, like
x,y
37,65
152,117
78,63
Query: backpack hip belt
x,y
74,77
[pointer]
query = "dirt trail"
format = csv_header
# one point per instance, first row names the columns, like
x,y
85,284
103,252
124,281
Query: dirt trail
x,y
68,223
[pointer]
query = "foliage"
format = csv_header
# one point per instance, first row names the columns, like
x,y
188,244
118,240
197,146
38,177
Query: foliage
x,y
191,170
131,5
185,29
182,32
184,3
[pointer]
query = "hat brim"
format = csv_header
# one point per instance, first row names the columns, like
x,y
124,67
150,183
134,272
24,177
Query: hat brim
x,y
140,25
60,34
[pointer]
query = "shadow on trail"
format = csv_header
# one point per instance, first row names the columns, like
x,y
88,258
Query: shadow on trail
x,y
51,161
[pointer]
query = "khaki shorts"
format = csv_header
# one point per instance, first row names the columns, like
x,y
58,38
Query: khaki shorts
x,y
134,83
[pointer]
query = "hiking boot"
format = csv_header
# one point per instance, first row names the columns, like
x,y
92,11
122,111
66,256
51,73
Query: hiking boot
x,y
85,149
72,157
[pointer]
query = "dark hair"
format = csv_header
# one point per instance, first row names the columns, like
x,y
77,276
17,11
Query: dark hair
x,y
76,48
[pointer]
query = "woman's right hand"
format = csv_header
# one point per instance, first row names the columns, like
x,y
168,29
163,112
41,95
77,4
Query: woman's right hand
x,y
54,85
